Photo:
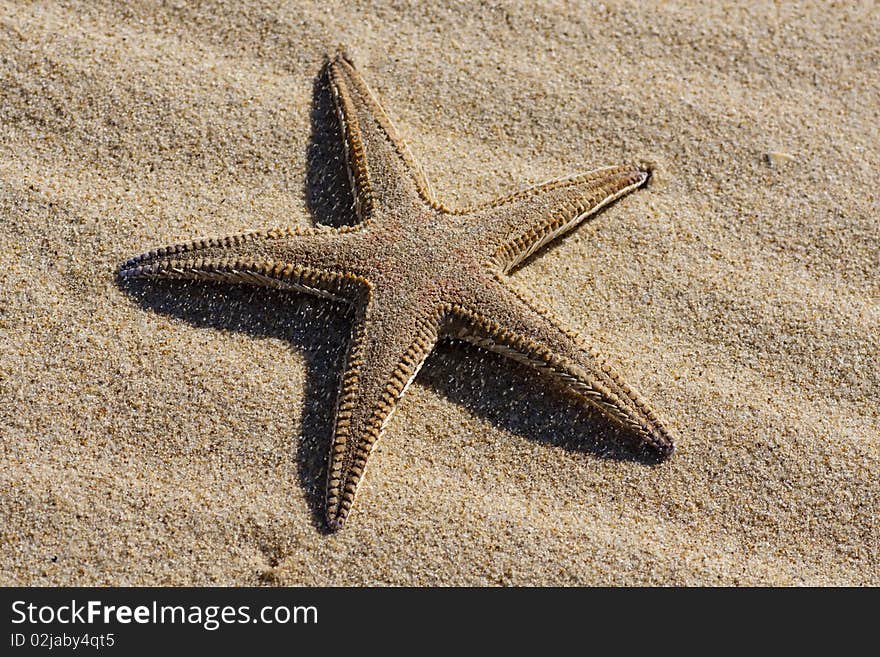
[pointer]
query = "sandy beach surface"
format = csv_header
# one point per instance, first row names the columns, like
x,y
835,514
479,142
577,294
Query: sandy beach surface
x,y
176,433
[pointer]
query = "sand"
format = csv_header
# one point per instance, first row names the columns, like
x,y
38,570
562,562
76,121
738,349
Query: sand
x,y
176,435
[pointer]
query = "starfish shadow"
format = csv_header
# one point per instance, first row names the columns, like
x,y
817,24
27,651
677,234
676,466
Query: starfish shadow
x,y
328,192
486,384
501,391
519,400
316,329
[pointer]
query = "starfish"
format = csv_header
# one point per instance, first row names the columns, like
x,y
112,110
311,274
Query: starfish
x,y
414,271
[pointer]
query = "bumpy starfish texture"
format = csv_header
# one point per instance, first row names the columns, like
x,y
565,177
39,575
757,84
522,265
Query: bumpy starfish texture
x,y
416,271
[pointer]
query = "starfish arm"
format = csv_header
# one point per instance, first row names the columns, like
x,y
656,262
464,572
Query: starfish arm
x,y
380,165
314,260
523,222
507,322
388,347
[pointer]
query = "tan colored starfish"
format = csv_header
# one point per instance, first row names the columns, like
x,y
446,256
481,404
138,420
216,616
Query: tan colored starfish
x,y
415,271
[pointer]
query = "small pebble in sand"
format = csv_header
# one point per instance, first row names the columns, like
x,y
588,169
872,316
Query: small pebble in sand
x,y
778,159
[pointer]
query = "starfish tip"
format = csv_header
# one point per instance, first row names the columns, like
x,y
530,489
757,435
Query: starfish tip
x,y
338,55
335,522
646,168
126,270
664,446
